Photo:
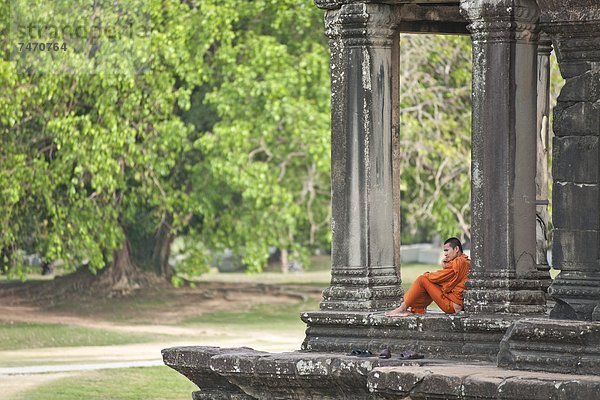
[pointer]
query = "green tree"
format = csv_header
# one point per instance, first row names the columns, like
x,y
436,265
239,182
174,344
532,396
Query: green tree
x,y
435,136
265,179
91,135
207,120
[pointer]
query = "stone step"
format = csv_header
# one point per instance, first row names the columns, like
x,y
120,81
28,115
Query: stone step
x,y
236,374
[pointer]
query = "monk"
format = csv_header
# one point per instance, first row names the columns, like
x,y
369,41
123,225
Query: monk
x,y
444,287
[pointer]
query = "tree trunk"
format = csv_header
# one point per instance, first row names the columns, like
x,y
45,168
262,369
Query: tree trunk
x,y
151,250
122,275
118,278
162,250
285,263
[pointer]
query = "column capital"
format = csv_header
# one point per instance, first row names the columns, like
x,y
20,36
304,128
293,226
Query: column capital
x,y
362,24
544,44
501,21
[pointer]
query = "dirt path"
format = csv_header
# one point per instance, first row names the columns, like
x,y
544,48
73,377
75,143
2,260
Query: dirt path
x,y
178,305
11,386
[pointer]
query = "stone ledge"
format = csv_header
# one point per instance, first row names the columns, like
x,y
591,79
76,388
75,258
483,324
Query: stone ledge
x,y
193,362
246,374
472,381
552,345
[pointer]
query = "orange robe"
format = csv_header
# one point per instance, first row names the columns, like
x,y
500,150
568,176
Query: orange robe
x,y
444,287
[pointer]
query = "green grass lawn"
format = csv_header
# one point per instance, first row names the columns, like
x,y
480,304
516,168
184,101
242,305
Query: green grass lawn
x,y
271,317
162,382
157,383
320,278
18,336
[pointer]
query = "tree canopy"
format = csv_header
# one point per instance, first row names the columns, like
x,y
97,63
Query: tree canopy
x,y
435,126
205,120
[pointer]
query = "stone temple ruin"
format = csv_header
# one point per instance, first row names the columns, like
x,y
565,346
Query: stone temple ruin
x,y
516,317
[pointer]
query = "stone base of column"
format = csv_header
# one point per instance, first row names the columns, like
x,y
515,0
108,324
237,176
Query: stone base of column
x,y
577,296
551,345
351,289
434,335
502,292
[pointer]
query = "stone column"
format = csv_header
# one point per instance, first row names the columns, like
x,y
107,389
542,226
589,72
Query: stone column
x,y
364,157
543,132
575,30
504,277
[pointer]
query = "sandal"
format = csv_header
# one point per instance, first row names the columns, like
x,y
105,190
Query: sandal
x,y
410,355
360,353
385,353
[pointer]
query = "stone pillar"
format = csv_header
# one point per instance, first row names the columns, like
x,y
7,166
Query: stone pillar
x,y
364,158
575,31
504,277
543,132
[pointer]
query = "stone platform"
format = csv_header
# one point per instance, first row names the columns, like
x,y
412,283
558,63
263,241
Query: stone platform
x,y
244,374
461,336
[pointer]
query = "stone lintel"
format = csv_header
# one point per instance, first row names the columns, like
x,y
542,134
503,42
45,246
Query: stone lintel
x,y
333,4
418,17
439,18
575,30
552,345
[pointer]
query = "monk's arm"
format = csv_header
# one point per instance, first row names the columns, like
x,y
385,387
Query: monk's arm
x,y
441,275
460,269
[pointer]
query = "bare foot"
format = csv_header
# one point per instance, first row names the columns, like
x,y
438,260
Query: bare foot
x,y
398,312
457,308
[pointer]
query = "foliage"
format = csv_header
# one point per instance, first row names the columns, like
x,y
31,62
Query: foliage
x,y
91,138
100,146
269,150
435,126
207,120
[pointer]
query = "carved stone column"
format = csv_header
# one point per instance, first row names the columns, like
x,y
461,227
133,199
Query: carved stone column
x,y
575,30
543,132
364,158
504,277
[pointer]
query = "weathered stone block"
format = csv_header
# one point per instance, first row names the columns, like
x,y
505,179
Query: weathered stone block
x,y
575,247
438,387
552,345
477,382
194,363
576,159
576,206
582,88
573,69
577,119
